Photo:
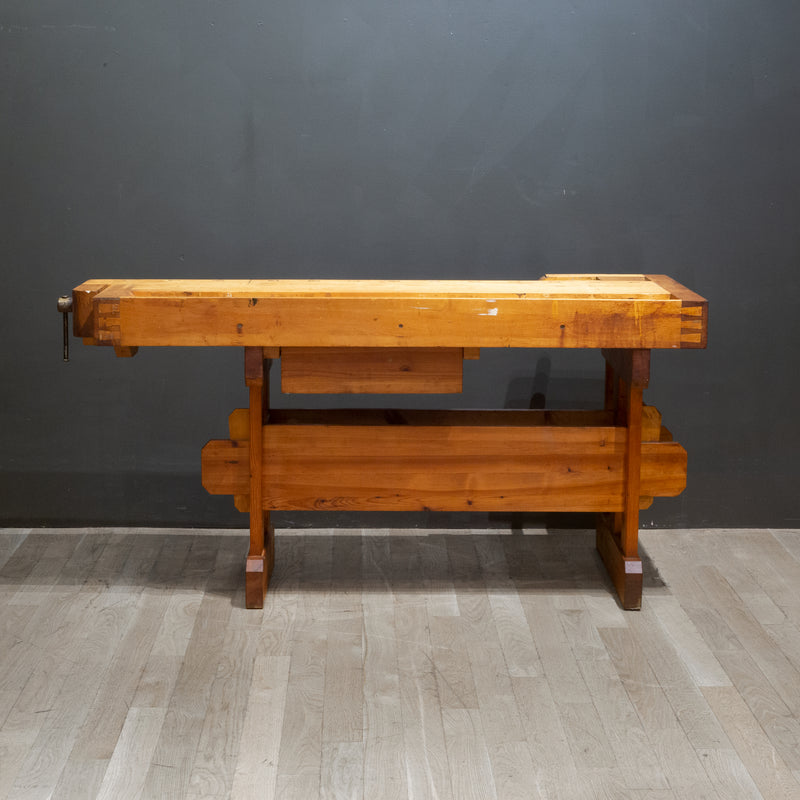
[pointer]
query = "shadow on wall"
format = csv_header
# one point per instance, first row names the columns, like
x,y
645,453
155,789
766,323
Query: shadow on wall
x,y
548,388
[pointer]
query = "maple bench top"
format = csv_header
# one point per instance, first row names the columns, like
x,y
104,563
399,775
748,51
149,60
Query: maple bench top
x,y
628,311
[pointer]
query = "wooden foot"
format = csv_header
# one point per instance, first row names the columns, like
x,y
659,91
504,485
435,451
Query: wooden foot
x,y
258,569
625,571
256,580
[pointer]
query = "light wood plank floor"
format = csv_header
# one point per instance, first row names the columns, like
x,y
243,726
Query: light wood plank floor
x,y
398,664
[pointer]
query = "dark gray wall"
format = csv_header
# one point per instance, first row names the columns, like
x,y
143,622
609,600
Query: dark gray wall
x,y
393,139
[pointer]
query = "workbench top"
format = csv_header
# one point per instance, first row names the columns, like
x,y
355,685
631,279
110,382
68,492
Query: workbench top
x,y
626,311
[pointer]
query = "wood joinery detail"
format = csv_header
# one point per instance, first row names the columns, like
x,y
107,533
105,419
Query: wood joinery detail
x,y
694,312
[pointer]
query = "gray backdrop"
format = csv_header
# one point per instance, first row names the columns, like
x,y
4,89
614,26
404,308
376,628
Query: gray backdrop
x,y
373,139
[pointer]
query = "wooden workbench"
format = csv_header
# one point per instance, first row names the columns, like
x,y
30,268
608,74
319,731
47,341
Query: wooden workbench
x,y
412,337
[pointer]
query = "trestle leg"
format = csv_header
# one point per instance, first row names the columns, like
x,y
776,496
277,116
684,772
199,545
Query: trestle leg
x,y
627,375
261,556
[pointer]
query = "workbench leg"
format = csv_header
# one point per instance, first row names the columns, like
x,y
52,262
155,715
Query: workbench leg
x,y
627,375
261,556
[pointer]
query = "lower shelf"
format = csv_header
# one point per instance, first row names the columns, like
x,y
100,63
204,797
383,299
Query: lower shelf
x,y
442,461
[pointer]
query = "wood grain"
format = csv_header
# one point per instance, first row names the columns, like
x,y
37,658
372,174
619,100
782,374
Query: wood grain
x,y
384,766
753,746
257,761
124,777
470,468
623,311
423,734
693,697
370,370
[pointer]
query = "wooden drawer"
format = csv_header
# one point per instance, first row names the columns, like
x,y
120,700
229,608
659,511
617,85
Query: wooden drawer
x,y
371,370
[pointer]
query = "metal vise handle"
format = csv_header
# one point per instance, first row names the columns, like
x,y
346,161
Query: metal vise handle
x,y
65,306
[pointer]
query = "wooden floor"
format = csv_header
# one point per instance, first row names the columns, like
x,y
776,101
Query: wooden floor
x,y
402,664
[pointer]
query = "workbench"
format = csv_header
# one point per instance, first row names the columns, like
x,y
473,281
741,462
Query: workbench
x,y
374,336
